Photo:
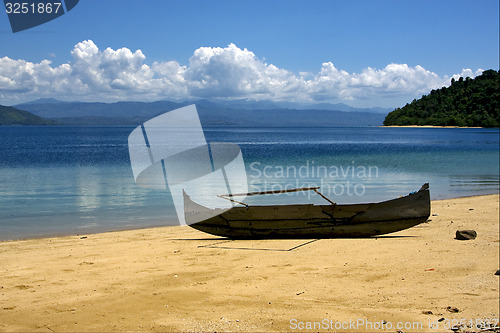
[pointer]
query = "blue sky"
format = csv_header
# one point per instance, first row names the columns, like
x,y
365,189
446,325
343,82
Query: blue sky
x,y
288,44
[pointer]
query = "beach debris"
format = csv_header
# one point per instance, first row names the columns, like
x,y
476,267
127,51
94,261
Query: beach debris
x,y
471,208
441,319
435,214
497,272
452,309
427,312
23,286
300,293
429,269
466,234
83,237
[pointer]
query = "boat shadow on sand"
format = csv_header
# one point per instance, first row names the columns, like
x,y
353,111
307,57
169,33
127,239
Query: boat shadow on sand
x,y
280,245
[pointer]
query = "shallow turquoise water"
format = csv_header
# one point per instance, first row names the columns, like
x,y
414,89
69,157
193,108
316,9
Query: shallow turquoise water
x,y
77,180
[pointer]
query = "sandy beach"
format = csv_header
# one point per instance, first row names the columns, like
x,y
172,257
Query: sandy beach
x,y
180,279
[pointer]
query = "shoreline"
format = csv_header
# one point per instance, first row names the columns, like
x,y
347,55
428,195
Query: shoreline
x,y
432,126
124,229
180,279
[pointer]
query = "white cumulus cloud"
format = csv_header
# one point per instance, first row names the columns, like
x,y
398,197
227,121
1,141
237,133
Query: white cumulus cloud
x,y
233,72
213,72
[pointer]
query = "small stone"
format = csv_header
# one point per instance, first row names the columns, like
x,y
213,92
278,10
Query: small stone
x,y
465,234
452,309
440,319
427,312
435,214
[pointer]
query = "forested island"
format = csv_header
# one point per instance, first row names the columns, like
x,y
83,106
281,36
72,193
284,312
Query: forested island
x,y
467,102
11,116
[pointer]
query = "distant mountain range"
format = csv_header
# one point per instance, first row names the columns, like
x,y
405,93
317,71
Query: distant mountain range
x,y
238,112
266,105
251,105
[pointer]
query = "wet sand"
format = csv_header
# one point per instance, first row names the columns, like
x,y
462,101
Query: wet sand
x,y
180,279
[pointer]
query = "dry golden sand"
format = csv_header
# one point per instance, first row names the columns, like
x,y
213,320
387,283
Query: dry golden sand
x,y
179,279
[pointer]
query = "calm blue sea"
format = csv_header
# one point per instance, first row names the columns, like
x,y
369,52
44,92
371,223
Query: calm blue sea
x,y
78,180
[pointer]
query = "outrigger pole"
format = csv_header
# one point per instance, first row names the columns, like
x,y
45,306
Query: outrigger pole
x,y
229,196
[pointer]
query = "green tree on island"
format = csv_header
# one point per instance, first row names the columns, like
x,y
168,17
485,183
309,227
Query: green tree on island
x,y
467,102
11,116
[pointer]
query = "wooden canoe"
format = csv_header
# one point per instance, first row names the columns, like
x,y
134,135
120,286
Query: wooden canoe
x,y
313,221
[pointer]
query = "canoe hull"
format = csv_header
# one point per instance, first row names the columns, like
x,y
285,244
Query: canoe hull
x,y
315,221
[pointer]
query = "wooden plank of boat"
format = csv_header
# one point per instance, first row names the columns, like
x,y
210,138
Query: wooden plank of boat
x,y
312,221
